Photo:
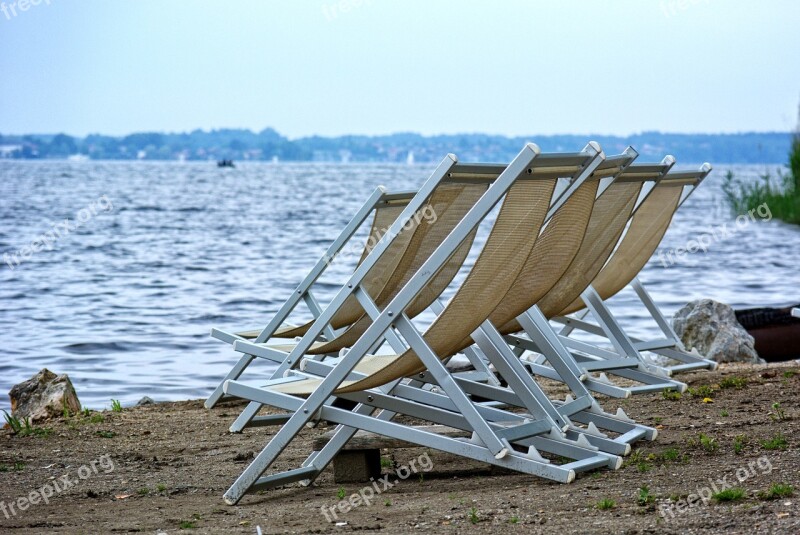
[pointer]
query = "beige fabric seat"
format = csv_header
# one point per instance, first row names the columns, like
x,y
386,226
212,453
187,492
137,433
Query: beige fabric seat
x,y
407,253
611,211
512,272
644,234
562,261
512,237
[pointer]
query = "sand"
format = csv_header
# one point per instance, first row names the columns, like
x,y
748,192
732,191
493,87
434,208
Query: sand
x,y
164,468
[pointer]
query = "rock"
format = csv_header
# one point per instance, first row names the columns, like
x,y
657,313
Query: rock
x,y
711,328
44,396
145,401
459,363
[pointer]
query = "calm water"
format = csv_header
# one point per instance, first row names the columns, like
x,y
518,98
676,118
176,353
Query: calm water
x,y
165,251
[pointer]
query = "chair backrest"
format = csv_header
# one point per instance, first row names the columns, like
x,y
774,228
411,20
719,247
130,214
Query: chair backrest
x,y
450,202
400,261
611,211
645,232
557,245
384,215
513,235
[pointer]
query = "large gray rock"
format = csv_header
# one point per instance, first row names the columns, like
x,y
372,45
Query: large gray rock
x,y
44,396
711,328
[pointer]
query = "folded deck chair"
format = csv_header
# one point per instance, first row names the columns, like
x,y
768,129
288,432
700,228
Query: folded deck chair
x,y
407,252
529,182
555,243
412,258
550,256
644,234
563,240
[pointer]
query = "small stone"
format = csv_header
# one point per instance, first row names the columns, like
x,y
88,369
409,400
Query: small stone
x,y
43,396
145,401
459,363
711,328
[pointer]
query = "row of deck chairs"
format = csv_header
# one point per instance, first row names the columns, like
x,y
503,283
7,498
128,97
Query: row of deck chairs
x,y
572,230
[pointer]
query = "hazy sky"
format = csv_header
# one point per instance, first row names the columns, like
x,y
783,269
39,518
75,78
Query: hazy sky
x,y
377,66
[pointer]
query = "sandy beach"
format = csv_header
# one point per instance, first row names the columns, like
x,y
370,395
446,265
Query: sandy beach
x,y
164,468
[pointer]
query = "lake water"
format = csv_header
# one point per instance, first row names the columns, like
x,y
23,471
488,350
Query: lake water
x,y
165,251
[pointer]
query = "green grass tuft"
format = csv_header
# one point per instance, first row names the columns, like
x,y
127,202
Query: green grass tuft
x,y
645,497
644,466
702,391
16,467
671,455
605,504
739,442
778,442
706,442
777,491
733,382
777,413
24,428
97,418
729,495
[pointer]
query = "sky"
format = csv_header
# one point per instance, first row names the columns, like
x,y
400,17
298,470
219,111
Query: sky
x,y
380,66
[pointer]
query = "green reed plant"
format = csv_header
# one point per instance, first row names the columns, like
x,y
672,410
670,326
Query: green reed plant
x,y
780,194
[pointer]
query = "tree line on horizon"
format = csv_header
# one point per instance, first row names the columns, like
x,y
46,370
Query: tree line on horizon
x,y
268,145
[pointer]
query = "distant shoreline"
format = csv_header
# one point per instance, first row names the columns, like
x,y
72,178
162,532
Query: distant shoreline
x,y
318,162
268,145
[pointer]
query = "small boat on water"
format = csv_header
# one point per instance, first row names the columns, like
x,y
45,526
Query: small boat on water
x,y
225,163
776,332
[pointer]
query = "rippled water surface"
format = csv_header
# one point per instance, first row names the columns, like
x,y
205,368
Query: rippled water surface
x,y
165,251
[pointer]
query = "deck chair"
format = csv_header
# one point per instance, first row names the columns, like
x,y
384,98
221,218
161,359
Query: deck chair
x,y
644,234
554,250
550,256
450,202
613,209
527,184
